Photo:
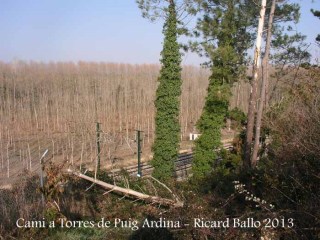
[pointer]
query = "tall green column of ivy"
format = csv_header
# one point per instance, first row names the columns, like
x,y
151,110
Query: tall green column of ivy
x,y
227,26
167,101
211,121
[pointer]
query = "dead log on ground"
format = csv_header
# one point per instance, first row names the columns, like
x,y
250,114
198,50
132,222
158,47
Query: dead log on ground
x,y
132,193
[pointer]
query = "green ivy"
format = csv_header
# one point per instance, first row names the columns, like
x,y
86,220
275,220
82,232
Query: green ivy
x,y
226,61
167,129
210,124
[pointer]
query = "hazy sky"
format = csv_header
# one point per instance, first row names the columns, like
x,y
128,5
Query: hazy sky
x,y
94,30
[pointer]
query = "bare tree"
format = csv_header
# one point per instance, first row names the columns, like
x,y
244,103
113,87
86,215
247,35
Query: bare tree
x,y
265,76
254,84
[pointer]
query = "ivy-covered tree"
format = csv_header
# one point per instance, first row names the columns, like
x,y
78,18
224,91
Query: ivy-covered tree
x,y
224,28
167,104
174,13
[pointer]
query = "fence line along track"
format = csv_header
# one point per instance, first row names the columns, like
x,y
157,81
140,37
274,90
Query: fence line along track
x,y
182,166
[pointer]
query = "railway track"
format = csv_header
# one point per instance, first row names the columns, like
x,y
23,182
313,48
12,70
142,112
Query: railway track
x,y
182,166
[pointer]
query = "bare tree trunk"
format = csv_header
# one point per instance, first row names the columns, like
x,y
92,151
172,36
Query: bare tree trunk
x,y
265,72
253,93
132,193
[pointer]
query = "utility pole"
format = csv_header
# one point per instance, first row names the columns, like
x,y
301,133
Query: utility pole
x,y
42,177
139,140
98,145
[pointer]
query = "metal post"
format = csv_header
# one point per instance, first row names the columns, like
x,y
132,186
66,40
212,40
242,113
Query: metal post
x,y
41,176
139,140
98,146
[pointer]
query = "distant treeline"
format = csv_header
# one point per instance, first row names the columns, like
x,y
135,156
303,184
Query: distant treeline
x,y
66,96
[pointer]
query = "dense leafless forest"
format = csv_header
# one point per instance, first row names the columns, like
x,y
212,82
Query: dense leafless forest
x,y
56,106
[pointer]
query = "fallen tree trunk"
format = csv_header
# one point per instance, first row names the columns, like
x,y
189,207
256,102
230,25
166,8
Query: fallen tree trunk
x,y
132,193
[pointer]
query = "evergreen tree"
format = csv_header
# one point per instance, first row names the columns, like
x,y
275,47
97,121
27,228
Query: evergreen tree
x,y
167,104
316,13
224,29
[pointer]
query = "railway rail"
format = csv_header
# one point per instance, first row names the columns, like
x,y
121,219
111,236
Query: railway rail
x,y
182,166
